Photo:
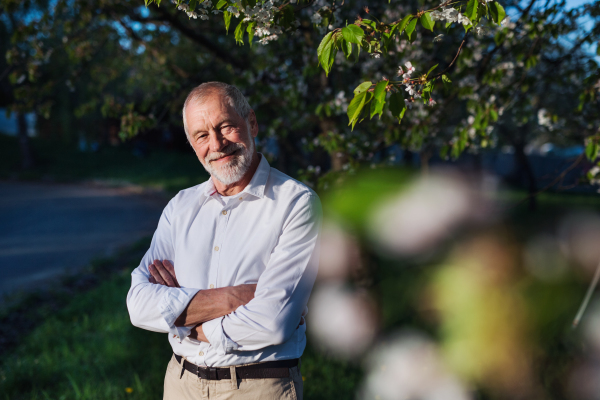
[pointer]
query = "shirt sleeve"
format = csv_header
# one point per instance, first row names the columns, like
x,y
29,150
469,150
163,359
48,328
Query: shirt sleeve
x,y
156,307
282,291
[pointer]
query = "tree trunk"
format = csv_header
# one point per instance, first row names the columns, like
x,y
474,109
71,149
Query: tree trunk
x,y
425,155
525,169
24,142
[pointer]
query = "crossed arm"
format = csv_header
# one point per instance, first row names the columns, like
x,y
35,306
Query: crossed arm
x,y
206,304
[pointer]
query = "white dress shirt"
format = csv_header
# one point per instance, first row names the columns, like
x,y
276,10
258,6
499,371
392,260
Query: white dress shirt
x,y
267,235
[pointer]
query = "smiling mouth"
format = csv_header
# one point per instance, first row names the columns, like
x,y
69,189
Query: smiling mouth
x,y
233,153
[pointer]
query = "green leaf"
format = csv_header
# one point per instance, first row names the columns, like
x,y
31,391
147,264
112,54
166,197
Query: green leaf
x,y
432,68
591,150
402,24
494,115
363,87
445,79
427,22
347,48
221,4
239,32
369,23
250,30
324,52
355,107
353,34
397,105
192,5
378,99
471,12
497,11
227,19
356,54
411,28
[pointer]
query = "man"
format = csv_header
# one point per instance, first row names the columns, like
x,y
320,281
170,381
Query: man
x,y
231,264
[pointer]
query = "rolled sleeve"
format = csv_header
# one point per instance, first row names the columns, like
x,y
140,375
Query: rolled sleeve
x,y
172,304
213,330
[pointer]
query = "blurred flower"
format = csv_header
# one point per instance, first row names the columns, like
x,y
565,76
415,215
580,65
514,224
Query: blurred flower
x,y
342,321
409,367
339,253
579,235
128,390
543,258
422,214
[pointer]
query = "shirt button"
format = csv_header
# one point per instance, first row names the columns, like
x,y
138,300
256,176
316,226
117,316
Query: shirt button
x,y
224,212
201,353
212,286
216,248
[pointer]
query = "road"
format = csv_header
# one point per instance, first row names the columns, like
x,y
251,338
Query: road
x,y
49,229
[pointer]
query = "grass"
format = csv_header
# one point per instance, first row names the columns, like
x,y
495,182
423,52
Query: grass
x,y
88,349
159,169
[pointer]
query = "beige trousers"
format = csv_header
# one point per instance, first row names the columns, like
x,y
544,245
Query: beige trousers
x,y
191,387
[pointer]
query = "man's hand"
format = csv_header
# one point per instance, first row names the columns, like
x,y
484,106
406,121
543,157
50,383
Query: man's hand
x,y
198,334
163,273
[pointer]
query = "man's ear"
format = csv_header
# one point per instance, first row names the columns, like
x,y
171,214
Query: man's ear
x,y
253,123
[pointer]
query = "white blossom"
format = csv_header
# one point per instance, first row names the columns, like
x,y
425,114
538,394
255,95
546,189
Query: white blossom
x,y
409,68
438,38
410,89
462,19
479,31
316,18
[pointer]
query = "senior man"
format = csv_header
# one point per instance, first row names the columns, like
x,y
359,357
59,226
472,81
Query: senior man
x,y
231,264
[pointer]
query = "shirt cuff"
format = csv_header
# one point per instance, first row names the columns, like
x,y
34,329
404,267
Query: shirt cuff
x,y
213,330
172,304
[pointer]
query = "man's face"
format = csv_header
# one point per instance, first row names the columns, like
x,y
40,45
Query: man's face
x,y
221,138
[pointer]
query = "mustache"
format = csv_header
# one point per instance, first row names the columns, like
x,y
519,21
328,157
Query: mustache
x,y
226,151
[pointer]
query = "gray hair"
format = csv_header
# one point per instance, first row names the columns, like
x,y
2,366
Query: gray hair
x,y
234,97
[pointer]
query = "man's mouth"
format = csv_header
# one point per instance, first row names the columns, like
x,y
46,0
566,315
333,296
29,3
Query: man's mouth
x,y
228,156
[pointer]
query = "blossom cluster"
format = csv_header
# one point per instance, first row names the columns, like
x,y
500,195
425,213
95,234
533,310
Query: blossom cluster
x,y
410,86
262,13
450,15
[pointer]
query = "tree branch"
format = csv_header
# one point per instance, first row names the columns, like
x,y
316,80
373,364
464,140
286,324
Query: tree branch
x,y
201,40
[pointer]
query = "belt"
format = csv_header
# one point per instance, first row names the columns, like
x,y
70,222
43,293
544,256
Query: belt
x,y
269,369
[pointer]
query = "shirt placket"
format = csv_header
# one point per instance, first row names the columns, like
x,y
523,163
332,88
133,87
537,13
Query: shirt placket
x,y
221,228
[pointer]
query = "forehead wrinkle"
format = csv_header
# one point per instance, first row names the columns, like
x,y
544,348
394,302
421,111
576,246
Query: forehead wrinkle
x,y
213,112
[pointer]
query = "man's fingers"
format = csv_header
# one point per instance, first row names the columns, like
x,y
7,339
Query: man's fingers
x,y
165,275
169,266
156,275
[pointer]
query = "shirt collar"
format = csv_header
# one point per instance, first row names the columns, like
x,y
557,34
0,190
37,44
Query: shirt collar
x,y
257,184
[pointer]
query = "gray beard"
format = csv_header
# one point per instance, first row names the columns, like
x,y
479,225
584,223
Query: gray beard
x,y
234,170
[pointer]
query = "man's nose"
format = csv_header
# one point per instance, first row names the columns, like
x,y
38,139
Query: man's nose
x,y
217,141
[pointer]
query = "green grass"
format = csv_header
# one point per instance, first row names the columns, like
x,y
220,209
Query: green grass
x,y
160,169
90,350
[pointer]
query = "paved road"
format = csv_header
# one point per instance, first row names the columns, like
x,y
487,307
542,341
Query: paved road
x,y
47,229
